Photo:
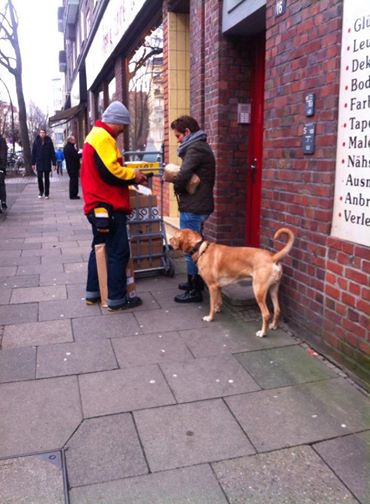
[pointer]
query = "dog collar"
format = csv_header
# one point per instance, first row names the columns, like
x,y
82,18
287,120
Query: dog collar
x,y
201,247
196,247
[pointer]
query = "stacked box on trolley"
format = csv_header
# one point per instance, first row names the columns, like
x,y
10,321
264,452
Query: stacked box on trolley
x,y
144,231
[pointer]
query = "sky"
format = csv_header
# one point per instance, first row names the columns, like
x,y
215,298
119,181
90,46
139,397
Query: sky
x,y
40,43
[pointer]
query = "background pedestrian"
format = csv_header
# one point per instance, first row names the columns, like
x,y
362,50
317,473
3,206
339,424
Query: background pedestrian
x,y
43,157
72,159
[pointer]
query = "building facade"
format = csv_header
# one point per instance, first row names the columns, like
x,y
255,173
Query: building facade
x,y
282,89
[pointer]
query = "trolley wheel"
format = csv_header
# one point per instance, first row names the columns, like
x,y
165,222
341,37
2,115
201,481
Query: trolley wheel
x,y
169,267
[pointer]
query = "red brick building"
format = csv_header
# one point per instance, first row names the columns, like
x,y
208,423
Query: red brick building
x,y
281,88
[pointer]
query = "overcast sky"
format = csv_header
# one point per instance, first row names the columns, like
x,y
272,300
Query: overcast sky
x,y
40,43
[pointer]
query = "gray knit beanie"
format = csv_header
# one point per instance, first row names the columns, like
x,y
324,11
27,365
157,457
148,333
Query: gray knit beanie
x,y
116,113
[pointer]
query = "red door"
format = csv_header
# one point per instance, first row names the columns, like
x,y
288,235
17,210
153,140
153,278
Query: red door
x,y
255,145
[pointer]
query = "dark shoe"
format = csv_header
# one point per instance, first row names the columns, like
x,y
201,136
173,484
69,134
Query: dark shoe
x,y
74,197
190,296
130,303
4,206
91,301
196,280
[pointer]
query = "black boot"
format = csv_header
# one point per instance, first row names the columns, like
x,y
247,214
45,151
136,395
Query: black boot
x,y
194,293
186,285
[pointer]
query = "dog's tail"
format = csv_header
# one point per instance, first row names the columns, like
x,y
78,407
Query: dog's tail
x,y
289,244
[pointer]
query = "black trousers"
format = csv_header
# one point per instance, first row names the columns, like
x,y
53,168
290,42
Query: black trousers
x,y
40,180
73,185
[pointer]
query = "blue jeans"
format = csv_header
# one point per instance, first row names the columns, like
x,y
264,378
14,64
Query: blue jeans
x,y
195,222
118,254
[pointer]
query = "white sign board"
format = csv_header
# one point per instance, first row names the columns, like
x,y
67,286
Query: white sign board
x,y
351,213
116,19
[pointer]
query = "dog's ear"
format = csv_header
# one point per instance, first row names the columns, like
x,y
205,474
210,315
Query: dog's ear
x,y
174,241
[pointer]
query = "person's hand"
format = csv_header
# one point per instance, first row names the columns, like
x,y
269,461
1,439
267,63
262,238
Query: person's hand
x,y
140,178
34,168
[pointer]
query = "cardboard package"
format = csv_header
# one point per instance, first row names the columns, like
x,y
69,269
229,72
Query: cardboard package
x,y
101,263
147,248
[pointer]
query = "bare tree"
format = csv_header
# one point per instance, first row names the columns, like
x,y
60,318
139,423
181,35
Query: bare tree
x,y
13,63
36,119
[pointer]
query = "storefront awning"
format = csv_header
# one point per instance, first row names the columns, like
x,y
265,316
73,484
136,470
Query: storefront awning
x,y
63,116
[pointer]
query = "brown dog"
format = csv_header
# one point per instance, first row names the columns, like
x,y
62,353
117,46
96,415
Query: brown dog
x,y
220,265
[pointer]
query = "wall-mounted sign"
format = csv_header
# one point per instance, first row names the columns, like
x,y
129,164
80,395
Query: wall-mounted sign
x,y
308,143
351,213
116,19
280,7
309,105
244,113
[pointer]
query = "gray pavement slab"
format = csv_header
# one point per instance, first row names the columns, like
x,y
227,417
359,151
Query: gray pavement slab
x,y
173,319
207,378
293,476
187,434
12,314
38,415
20,281
75,358
36,479
117,326
104,449
190,485
7,270
301,414
231,336
62,277
36,294
37,333
5,254
12,244
20,261
5,296
66,308
36,269
279,367
123,390
17,364
349,458
150,349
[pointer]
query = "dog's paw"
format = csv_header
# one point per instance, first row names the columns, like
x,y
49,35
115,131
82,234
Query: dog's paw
x,y
260,334
273,326
207,318
218,309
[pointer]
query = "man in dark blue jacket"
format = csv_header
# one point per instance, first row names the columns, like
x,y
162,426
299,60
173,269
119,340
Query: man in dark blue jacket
x,y
43,156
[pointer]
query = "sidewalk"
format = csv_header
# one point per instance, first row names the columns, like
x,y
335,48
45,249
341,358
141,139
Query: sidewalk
x,y
154,405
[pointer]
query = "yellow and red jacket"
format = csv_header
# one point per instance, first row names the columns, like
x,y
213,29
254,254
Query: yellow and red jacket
x,y
104,179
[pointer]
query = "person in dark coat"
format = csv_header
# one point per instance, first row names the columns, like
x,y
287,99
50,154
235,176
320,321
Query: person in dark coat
x,y
43,156
72,159
197,158
3,163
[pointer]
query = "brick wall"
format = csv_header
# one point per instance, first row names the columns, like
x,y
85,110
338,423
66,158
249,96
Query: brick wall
x,y
326,287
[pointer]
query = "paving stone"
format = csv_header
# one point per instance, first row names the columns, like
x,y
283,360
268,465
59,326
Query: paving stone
x,y
190,485
296,475
66,308
76,267
7,270
42,252
5,296
123,390
20,281
117,326
38,415
188,434
20,261
11,314
301,414
36,269
37,333
206,378
36,479
12,244
75,358
349,458
151,349
52,278
29,294
104,449
17,364
169,320
62,259
279,367
231,336
41,239
4,254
